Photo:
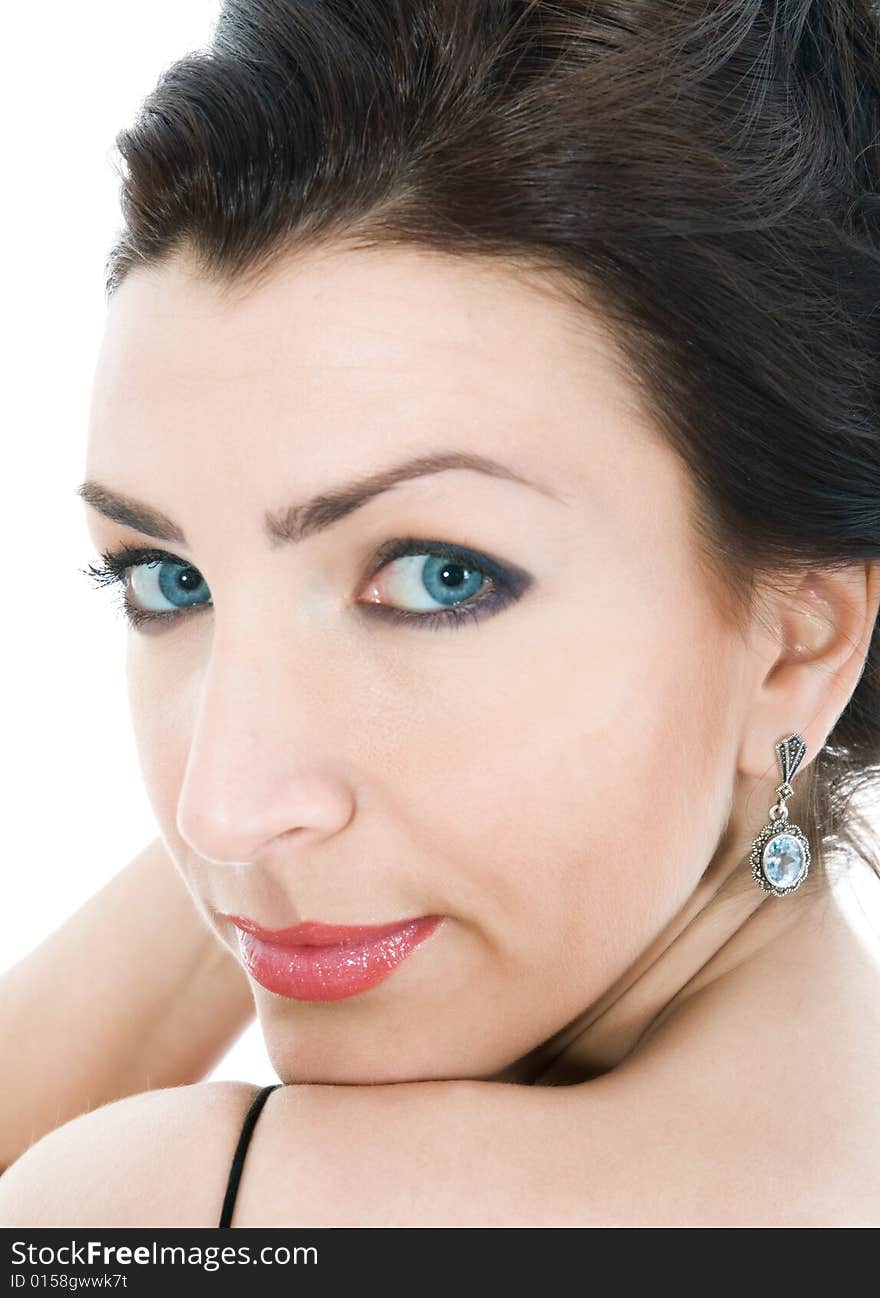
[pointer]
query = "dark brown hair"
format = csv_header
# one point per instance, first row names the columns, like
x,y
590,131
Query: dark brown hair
x,y
705,175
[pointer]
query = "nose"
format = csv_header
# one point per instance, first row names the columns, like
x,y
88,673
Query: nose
x,y
265,757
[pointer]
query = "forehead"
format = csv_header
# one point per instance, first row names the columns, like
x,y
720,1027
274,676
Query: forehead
x,y
358,318
351,356
389,306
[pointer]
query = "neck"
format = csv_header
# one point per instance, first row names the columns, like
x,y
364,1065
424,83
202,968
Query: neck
x,y
725,923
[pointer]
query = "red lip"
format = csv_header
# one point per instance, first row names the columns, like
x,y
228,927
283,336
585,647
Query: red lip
x,y
312,933
327,962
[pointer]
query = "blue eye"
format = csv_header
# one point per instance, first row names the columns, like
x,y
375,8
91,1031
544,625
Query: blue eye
x,y
467,586
435,575
164,579
156,578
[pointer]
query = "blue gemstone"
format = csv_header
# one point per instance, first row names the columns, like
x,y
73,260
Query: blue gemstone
x,y
783,860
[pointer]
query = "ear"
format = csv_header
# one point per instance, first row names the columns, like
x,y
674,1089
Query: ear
x,y
811,640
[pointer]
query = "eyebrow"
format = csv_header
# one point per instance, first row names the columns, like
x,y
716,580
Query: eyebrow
x,y
300,520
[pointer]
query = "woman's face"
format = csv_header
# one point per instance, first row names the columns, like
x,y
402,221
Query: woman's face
x,y
549,771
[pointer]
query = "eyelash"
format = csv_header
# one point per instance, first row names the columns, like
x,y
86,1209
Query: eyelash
x,y
505,588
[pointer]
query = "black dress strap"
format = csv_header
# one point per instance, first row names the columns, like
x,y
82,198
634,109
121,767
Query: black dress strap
x,y
250,1121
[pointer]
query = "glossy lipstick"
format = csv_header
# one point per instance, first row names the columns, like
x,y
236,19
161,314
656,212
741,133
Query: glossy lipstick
x,y
326,962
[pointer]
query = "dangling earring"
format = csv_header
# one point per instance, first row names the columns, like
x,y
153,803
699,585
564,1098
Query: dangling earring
x,y
781,853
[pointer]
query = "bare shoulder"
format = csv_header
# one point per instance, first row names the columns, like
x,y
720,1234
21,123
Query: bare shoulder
x,y
639,1147
159,1158
621,1151
482,1154
405,1154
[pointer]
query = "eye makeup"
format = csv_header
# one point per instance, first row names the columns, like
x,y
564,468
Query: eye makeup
x,y
453,565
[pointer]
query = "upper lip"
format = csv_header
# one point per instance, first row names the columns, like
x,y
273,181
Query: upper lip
x,y
312,933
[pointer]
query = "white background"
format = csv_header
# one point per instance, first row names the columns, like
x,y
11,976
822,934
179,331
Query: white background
x,y
74,807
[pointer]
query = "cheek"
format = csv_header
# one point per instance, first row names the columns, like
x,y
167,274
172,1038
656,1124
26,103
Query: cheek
x,y
570,794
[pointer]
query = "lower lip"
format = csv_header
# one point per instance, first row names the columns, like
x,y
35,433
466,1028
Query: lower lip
x,y
329,973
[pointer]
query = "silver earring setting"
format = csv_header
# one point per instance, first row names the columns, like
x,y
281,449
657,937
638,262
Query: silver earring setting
x,y
781,853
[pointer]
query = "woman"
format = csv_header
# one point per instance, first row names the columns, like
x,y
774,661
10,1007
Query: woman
x,y
485,444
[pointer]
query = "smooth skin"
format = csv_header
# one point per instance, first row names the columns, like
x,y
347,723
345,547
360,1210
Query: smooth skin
x,y
621,1023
